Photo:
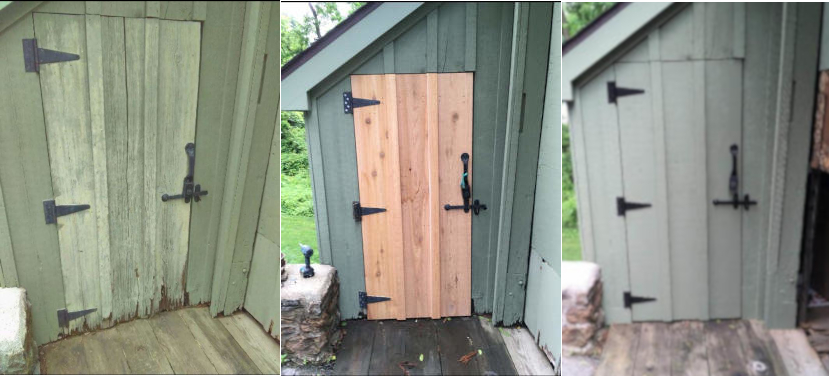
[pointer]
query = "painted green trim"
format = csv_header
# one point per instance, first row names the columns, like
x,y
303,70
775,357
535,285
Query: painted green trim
x,y
514,113
240,145
471,35
12,12
297,85
432,41
8,268
604,40
792,135
218,79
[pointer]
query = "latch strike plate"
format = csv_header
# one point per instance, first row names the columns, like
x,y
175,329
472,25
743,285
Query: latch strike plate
x,y
64,316
34,56
52,211
630,300
359,211
366,299
350,103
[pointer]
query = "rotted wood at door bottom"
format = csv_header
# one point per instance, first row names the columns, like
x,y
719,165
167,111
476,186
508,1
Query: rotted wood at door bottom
x,y
409,149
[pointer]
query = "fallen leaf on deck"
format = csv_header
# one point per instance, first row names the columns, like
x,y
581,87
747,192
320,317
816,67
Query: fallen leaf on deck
x,y
406,366
466,358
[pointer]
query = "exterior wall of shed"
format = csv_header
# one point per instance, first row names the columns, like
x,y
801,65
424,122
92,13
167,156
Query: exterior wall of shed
x,y
450,37
779,48
235,123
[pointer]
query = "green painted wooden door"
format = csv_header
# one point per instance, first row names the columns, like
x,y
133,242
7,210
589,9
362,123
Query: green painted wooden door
x,y
117,122
675,146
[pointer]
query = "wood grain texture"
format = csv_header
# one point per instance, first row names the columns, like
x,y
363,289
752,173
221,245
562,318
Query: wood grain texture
x,y
525,354
26,181
104,353
66,357
376,134
65,103
258,345
622,341
689,350
725,355
455,95
178,85
354,356
219,69
653,355
179,345
151,284
433,206
217,343
416,194
399,342
145,352
8,268
798,356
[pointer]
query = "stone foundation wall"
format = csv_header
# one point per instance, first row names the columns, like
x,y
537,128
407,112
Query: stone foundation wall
x,y
18,351
581,304
310,315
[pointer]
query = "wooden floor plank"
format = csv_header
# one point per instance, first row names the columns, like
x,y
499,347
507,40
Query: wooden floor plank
x,y
65,357
798,356
525,354
653,354
455,341
689,351
622,343
105,353
182,349
354,356
725,353
761,351
405,341
259,346
144,353
493,358
221,348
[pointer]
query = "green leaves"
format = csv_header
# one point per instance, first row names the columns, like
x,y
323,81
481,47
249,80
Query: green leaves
x,y
579,15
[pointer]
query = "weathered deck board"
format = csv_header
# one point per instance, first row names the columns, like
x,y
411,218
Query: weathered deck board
x,y
261,348
525,354
223,351
697,348
355,349
184,341
382,347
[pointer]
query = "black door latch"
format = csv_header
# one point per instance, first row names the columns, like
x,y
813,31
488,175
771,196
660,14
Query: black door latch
x,y
734,186
466,191
189,191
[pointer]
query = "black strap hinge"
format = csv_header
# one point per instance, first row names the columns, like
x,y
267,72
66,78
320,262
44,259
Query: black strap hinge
x,y
360,211
350,103
64,316
630,300
366,299
623,206
614,92
52,211
33,56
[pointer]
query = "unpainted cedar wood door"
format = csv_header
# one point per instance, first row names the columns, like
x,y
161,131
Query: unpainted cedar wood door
x,y
117,122
408,161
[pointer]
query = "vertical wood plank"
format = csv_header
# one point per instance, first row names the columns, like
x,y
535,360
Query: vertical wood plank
x,y
153,259
68,126
124,289
455,94
685,153
388,58
432,41
153,9
415,193
723,128
8,268
26,182
178,85
199,10
434,209
219,71
376,135
471,36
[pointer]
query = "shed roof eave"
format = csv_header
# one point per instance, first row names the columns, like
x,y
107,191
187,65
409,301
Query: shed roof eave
x,y
295,87
14,10
603,40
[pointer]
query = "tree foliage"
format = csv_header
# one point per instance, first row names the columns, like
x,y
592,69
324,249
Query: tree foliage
x,y
579,15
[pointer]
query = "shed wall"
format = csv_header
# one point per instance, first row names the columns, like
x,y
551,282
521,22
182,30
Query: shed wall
x,y
769,164
452,37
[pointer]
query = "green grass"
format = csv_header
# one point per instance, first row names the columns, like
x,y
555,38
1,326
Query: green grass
x,y
295,230
571,245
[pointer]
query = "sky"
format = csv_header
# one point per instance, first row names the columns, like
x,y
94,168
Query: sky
x,y
299,9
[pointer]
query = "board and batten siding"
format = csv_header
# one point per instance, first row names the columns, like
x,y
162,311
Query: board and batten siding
x,y
25,177
442,38
749,47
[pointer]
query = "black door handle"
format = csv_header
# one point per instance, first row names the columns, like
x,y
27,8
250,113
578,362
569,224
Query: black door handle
x,y
189,191
734,184
466,191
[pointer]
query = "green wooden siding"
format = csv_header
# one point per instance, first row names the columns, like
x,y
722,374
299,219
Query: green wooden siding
x,y
449,37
